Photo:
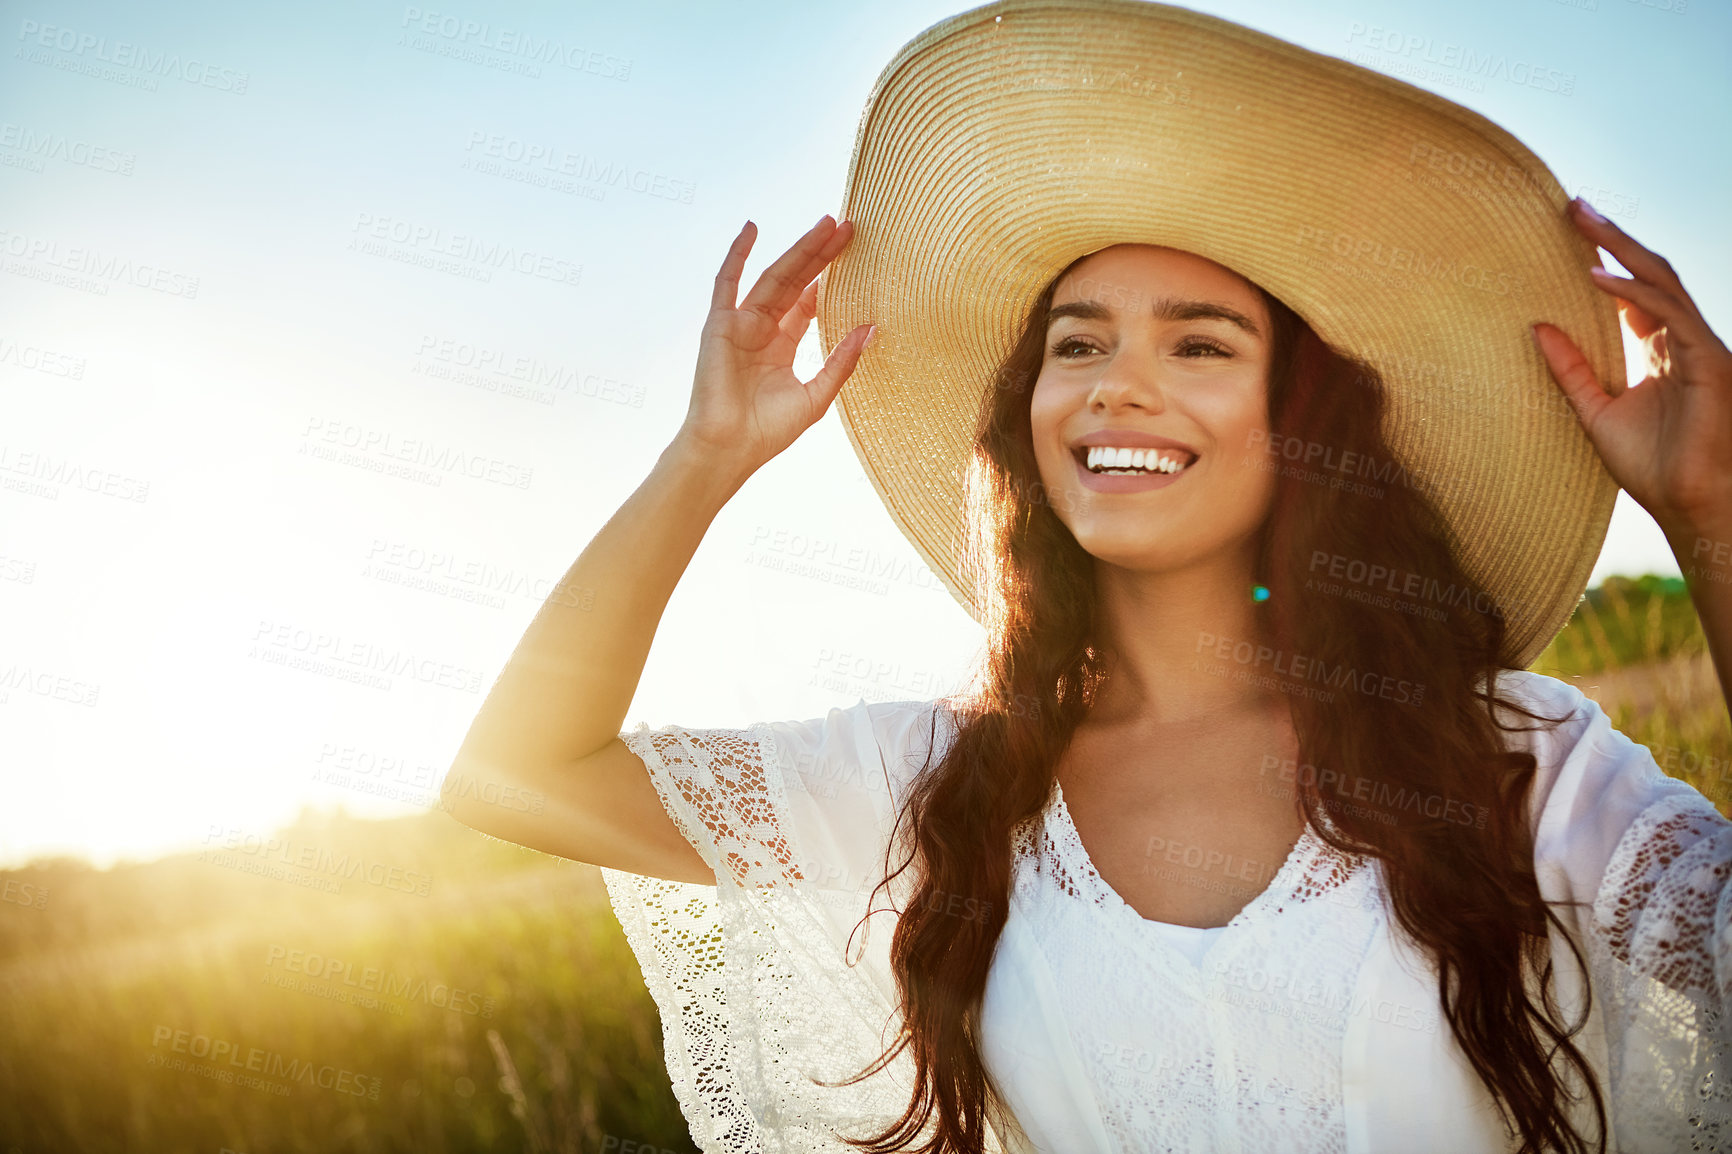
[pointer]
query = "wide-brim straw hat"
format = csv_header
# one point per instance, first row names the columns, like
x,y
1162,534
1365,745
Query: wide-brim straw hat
x,y
1005,142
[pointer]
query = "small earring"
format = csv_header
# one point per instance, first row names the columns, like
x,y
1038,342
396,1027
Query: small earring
x,y
1259,593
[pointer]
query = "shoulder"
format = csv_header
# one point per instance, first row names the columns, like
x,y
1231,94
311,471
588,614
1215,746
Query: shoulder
x,y
1553,700
1562,719
889,740
1591,779
913,727
1570,726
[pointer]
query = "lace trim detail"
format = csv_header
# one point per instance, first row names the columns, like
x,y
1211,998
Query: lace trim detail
x,y
1664,904
1319,869
1659,952
1313,868
725,791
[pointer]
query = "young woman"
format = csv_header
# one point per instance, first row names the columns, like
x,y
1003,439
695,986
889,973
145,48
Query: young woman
x,y
1229,849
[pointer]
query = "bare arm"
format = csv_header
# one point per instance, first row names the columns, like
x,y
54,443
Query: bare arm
x,y
542,764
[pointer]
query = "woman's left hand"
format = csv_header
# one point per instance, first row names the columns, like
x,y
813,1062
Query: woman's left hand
x,y
1667,440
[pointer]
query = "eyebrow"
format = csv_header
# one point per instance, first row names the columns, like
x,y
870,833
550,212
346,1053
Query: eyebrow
x,y
1165,309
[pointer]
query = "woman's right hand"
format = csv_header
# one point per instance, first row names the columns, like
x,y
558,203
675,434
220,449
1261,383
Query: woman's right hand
x,y
747,405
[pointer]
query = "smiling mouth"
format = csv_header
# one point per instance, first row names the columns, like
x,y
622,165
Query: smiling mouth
x,y
1109,461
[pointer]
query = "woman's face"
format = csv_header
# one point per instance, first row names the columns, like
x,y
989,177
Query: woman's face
x,y
1155,348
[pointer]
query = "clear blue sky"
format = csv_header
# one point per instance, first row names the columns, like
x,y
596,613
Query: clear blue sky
x,y
237,238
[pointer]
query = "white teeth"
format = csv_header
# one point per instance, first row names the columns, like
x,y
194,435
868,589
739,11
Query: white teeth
x,y
1105,457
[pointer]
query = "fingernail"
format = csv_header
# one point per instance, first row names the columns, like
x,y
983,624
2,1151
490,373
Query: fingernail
x,y
870,329
1590,211
822,219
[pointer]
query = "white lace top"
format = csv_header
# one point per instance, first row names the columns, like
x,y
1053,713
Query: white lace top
x,y
1305,1024
1235,1047
1192,941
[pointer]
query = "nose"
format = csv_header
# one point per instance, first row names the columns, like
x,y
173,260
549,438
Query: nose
x,y
1131,377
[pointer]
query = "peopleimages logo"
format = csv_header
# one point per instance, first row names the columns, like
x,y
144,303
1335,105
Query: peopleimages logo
x,y
40,146
105,267
385,445
1386,797
60,687
54,472
319,860
444,572
1378,578
40,360
417,243
377,980
256,1060
1395,260
274,641
123,54
557,161
1414,49
515,42
496,370
1300,668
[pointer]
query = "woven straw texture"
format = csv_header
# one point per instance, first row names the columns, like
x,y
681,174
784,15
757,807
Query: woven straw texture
x,y
1005,142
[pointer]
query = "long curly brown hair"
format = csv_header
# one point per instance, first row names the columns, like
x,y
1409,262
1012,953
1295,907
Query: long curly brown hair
x,y
1465,893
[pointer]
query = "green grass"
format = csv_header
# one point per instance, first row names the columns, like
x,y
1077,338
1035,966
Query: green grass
x,y
1646,629
1625,621
90,982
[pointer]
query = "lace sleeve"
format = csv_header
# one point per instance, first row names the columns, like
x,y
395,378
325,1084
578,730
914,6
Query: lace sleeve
x,y
723,790
1647,858
792,801
774,979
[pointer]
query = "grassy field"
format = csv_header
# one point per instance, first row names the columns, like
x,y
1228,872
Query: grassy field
x,y
443,992
1635,646
196,1005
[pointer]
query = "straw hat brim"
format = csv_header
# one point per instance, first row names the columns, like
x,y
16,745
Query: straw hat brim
x,y
1005,142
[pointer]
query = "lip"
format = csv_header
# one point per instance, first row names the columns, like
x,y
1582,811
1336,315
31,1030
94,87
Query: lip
x,y
1130,439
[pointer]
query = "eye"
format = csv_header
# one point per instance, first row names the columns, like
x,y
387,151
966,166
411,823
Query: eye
x,y
1061,348
1210,347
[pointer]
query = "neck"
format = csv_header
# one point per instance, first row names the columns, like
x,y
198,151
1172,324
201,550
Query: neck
x,y
1161,631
